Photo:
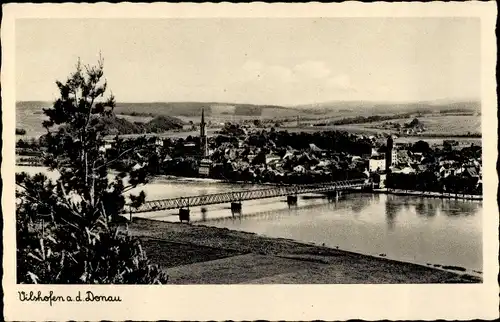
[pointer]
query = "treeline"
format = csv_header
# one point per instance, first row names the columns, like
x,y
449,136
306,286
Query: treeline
x,y
334,141
160,108
226,172
187,108
429,181
448,135
115,125
138,114
369,119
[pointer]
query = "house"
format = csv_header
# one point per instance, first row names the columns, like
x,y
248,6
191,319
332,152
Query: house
x,y
355,157
106,146
205,166
158,142
299,169
288,155
376,164
403,156
421,168
314,148
272,158
445,171
137,166
471,172
405,170
323,164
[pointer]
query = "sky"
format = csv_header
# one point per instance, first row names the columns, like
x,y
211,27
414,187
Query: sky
x,y
281,61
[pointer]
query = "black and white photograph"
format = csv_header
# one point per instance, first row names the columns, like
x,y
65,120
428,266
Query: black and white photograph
x,y
248,150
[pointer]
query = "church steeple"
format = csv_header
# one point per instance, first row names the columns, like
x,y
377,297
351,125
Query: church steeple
x,y
203,135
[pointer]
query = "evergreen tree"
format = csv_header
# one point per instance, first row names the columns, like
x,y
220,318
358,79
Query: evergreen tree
x,y
67,230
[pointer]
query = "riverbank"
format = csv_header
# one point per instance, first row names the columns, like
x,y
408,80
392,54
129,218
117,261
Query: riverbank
x,y
196,254
430,194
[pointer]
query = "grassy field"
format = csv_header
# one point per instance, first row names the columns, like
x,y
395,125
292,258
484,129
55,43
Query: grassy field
x,y
29,115
195,254
363,129
439,125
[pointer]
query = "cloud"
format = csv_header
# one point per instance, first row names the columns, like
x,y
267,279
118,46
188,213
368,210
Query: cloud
x,y
342,82
257,71
304,82
312,69
281,73
303,72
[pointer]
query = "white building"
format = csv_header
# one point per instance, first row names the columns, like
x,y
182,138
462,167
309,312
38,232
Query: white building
x,y
205,166
375,165
405,170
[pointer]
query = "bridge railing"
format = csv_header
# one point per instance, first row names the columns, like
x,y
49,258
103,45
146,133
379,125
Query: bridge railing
x,y
242,195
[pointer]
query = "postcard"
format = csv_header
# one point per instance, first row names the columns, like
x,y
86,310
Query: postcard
x,y
250,161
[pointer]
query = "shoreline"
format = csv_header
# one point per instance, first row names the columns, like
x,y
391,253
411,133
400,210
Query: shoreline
x,y
399,192
428,194
199,254
199,179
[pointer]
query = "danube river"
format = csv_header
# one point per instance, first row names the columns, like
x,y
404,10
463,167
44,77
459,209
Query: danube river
x,y
412,229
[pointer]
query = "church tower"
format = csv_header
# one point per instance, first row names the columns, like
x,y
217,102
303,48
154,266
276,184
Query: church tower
x,y
203,136
205,162
390,155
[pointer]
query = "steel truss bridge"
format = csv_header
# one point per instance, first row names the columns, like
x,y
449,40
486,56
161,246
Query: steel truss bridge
x,y
242,195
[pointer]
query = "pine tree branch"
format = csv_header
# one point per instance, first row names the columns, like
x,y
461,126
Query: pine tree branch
x,y
39,200
115,159
129,187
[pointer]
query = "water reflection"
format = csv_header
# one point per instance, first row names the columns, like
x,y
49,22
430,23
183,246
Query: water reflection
x,y
392,207
456,208
203,214
358,205
362,222
426,208
431,209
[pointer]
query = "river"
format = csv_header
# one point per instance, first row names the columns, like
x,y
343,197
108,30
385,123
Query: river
x,y
406,228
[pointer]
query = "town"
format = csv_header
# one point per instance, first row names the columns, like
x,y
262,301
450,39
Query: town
x,y
244,152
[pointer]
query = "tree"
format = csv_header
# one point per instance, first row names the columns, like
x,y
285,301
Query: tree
x,y
20,131
421,146
68,230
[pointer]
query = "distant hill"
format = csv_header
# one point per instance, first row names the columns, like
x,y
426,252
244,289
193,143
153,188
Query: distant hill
x,y
363,107
179,108
29,117
159,124
29,114
163,123
194,109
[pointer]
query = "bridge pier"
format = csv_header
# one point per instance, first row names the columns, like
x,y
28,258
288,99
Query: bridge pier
x,y
291,200
184,214
236,207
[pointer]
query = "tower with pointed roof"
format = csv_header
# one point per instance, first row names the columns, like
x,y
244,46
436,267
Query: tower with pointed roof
x,y
203,136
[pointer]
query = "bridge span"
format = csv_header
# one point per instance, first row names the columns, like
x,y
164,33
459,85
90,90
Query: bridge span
x,y
236,197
